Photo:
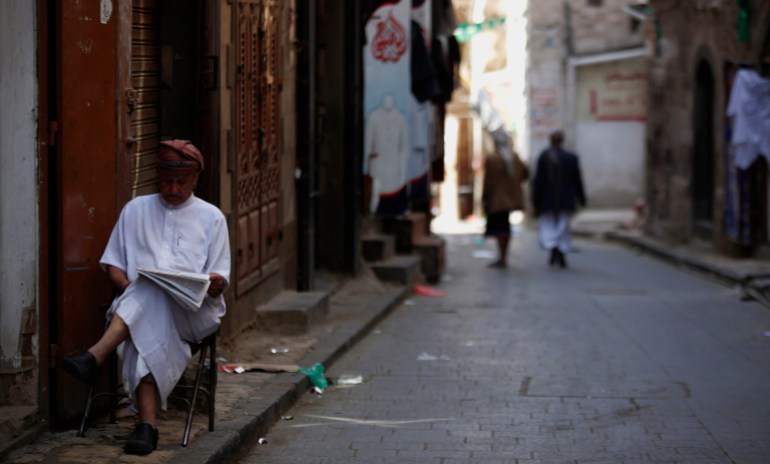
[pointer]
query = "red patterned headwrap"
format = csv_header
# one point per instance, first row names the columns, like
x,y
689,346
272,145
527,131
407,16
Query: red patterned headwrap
x,y
179,158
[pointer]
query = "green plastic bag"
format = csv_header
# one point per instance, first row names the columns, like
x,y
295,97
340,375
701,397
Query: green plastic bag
x,y
316,374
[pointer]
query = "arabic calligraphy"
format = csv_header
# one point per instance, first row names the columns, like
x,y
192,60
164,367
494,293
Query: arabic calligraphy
x,y
389,42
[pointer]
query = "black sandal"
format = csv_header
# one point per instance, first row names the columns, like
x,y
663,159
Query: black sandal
x,y
144,440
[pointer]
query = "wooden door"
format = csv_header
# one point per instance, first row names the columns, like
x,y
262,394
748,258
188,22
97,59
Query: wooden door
x,y
84,206
257,140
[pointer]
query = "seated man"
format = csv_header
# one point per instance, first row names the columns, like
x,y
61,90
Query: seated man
x,y
170,230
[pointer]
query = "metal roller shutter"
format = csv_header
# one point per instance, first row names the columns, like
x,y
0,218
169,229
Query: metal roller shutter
x,y
145,81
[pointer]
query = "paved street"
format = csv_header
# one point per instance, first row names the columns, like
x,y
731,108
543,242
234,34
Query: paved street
x,y
618,359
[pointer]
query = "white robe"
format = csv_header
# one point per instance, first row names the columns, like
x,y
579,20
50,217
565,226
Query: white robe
x,y
151,234
555,231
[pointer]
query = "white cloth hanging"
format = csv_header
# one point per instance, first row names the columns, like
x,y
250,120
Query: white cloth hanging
x,y
749,106
386,137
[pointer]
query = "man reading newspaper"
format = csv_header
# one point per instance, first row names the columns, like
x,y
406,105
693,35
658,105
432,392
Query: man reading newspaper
x,y
170,230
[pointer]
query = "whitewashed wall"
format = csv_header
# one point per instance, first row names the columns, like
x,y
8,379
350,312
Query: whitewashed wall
x,y
18,179
608,98
612,160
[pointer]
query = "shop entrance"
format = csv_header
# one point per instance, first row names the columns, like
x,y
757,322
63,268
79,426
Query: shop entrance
x,y
703,152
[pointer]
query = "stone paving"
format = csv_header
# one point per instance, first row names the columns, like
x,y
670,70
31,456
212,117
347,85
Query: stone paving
x,y
618,359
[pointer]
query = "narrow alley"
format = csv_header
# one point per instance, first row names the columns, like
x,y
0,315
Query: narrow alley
x,y
619,358
357,189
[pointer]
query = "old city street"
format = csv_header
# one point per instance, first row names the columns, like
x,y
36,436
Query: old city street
x,y
619,358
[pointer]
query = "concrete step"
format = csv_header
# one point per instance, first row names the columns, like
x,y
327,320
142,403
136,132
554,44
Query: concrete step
x,y
378,247
370,225
293,313
403,269
407,229
432,251
19,425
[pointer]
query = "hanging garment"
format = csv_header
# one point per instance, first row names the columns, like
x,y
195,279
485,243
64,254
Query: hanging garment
x,y
425,85
386,148
418,161
749,106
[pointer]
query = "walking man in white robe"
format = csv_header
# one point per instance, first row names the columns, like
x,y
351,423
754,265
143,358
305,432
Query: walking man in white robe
x,y
169,230
557,191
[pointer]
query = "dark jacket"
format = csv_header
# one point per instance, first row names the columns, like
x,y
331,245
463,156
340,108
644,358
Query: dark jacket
x,y
558,183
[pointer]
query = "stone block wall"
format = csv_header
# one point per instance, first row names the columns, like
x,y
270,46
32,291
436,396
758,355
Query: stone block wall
x,y
559,29
692,34
597,29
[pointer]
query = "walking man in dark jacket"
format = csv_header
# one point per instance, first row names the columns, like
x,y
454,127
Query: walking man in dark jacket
x,y
557,192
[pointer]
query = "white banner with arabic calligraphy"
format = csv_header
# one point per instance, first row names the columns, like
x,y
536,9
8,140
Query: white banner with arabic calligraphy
x,y
387,91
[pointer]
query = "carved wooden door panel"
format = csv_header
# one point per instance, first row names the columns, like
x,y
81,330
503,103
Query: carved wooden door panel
x,y
257,140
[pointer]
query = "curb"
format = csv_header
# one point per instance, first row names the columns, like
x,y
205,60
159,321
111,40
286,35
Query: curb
x,y
233,439
681,258
25,438
754,285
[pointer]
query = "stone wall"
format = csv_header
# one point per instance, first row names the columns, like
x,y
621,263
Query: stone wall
x,y
18,205
559,29
597,29
692,34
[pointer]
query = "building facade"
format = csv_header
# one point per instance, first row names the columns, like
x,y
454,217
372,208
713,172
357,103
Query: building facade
x,y
694,189
270,92
586,76
19,206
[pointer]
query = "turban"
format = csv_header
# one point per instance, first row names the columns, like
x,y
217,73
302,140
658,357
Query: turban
x,y
179,157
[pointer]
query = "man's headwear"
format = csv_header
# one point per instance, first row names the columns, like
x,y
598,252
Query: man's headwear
x,y
179,158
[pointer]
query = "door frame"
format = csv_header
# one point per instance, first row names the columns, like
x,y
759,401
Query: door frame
x,y
46,148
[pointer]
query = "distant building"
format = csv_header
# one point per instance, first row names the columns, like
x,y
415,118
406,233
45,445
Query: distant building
x,y
586,75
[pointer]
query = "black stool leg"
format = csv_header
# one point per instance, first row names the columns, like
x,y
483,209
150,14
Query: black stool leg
x,y
86,411
212,381
113,372
198,374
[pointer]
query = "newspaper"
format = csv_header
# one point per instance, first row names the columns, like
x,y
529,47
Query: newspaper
x,y
186,288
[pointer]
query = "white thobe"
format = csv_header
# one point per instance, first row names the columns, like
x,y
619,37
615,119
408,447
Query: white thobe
x,y
555,231
152,234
